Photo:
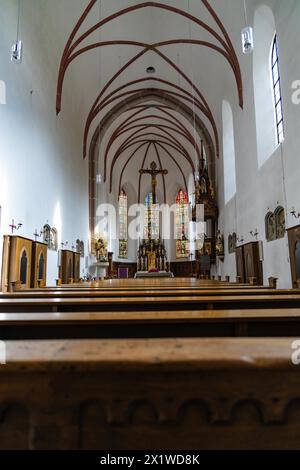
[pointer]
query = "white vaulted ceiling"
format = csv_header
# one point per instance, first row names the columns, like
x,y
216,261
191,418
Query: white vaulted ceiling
x,y
129,118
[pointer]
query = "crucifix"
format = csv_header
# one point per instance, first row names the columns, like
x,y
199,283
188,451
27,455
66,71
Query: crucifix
x,y
14,227
154,172
37,235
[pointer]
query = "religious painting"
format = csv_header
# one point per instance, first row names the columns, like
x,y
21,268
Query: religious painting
x,y
99,248
280,222
50,237
123,225
182,225
270,227
275,224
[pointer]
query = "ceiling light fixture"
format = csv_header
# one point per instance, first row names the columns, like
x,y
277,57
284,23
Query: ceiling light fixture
x,y
247,35
151,69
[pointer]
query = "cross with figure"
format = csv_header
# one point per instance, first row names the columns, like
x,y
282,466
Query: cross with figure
x,y
154,172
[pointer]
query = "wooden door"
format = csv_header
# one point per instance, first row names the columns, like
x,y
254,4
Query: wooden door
x,y
253,263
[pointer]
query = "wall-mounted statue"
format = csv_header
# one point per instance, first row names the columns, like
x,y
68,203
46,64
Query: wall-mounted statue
x,y
232,242
80,247
220,245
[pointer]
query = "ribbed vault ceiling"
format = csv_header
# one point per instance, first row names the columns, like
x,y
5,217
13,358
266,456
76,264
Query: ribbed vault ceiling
x,y
133,116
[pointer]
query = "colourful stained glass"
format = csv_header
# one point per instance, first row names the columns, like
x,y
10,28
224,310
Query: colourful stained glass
x,y
151,220
182,225
123,225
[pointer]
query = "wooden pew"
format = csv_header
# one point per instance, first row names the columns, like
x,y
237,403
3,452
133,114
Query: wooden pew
x,y
149,303
150,394
151,324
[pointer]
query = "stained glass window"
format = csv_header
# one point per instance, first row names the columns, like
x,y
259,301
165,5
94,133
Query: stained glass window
x,y
151,221
276,81
123,225
182,225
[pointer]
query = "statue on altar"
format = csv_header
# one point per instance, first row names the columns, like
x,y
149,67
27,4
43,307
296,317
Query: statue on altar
x,y
99,249
151,255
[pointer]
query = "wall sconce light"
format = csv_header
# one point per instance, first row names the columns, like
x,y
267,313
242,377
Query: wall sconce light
x,y
294,213
254,233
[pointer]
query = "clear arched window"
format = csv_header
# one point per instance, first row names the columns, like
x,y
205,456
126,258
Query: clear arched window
x,y
151,221
276,83
182,225
123,225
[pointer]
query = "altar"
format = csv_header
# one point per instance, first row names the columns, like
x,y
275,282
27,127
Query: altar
x,y
147,275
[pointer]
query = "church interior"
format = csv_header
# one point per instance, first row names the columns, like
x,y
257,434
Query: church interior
x,y
149,224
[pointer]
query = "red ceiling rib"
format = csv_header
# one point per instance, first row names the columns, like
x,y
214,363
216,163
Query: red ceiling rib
x,y
129,159
150,135
186,133
124,107
96,108
169,155
227,44
149,126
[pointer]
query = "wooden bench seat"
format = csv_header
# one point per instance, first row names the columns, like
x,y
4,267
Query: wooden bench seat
x,y
150,394
151,324
149,303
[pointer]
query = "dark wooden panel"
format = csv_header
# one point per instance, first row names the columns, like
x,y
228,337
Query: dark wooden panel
x,y
240,266
253,265
294,247
153,394
132,268
76,267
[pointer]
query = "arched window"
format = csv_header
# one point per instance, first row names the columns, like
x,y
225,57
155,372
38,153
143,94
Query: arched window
x,y
276,83
123,225
228,153
265,82
151,221
182,225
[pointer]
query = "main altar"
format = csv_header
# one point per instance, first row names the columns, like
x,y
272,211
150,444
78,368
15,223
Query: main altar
x,y
152,256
